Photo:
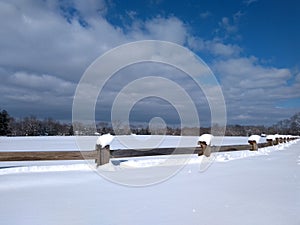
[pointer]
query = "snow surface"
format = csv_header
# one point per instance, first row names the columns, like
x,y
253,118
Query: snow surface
x,y
45,143
69,143
271,137
152,141
245,187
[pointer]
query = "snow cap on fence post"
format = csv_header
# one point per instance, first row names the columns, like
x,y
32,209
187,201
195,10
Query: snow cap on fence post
x,y
205,141
276,139
289,138
270,139
281,137
105,140
284,137
103,149
253,140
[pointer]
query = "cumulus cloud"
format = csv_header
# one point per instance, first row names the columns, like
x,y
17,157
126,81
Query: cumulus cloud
x,y
38,37
249,2
158,28
227,25
43,82
205,14
248,74
214,47
253,90
221,49
91,8
47,45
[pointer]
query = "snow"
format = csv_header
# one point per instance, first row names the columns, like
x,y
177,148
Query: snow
x,y
105,139
152,141
165,141
70,143
45,168
227,156
255,138
206,138
234,140
271,137
137,162
238,188
45,143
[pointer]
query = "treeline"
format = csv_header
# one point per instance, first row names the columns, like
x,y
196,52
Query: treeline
x,y
31,126
289,126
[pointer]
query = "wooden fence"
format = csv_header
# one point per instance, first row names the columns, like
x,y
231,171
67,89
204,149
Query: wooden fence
x,y
102,155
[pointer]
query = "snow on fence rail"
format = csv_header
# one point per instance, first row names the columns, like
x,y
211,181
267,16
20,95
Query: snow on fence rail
x,y
109,146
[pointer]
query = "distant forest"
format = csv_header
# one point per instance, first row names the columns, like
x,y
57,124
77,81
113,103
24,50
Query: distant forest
x,y
31,126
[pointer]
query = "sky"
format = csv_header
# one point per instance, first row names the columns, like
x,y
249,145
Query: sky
x,y
251,46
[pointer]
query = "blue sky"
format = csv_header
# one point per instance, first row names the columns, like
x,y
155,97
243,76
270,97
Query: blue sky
x,y
267,29
251,46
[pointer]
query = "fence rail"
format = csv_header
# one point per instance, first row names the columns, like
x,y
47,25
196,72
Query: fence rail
x,y
42,155
103,155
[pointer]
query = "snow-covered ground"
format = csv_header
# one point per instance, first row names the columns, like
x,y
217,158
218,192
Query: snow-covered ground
x,y
238,188
43,143
70,143
83,143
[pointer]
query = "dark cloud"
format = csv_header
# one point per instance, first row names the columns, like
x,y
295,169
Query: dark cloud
x,y
47,45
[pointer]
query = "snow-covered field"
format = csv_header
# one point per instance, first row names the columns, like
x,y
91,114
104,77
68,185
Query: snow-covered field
x,y
83,143
42,143
238,188
69,143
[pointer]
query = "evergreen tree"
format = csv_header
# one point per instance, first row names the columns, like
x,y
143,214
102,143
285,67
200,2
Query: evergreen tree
x,y
4,123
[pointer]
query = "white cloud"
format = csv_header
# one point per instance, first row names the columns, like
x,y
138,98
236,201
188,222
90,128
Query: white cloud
x,y
238,15
221,49
214,47
170,29
196,43
44,52
239,76
132,14
39,38
205,14
297,78
91,8
249,2
254,90
247,73
227,26
26,92
44,83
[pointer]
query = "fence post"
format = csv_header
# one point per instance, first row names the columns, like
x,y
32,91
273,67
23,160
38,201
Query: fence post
x,y
284,139
254,146
205,144
270,142
102,155
270,139
97,159
253,140
206,149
